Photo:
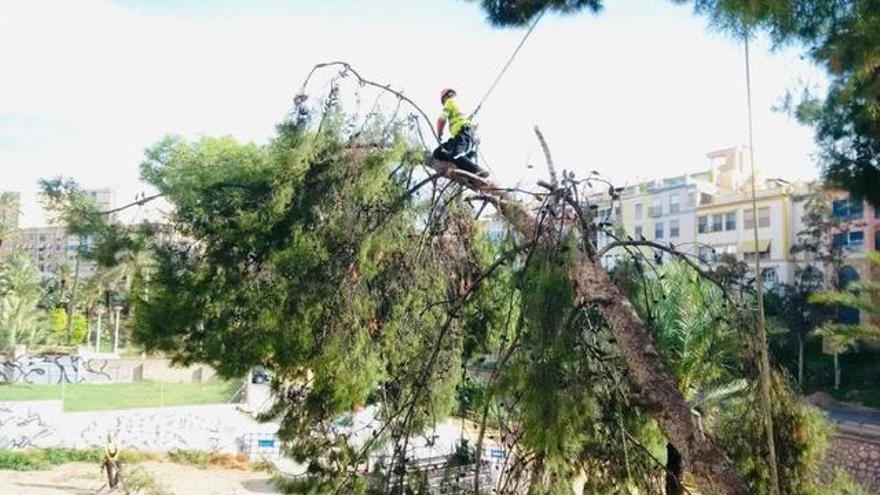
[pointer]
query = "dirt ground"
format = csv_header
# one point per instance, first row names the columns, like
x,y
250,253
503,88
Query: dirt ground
x,y
85,479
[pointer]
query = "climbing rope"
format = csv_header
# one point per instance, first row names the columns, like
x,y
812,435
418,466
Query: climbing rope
x,y
509,61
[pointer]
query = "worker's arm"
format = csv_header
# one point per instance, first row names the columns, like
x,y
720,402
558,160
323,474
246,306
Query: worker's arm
x,y
441,124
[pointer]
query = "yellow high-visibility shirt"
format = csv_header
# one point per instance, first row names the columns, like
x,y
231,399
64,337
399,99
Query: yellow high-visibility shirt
x,y
454,117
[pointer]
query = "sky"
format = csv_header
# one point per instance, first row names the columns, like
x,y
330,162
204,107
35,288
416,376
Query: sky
x,y
643,90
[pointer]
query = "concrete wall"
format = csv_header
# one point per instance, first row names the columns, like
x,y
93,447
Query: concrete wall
x,y
60,369
218,428
96,368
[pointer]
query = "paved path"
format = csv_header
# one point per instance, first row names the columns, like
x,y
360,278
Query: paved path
x,y
85,479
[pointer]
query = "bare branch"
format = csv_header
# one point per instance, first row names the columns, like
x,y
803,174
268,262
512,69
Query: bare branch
x,y
363,81
550,167
139,202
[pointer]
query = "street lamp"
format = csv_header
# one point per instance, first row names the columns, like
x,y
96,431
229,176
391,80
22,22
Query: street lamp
x,y
98,311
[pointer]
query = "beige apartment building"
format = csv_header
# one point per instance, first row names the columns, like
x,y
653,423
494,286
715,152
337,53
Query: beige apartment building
x,y
708,214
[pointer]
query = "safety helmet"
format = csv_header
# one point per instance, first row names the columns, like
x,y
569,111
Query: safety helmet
x,y
447,93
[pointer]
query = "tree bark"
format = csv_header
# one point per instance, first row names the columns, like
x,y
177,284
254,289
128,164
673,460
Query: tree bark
x,y
674,470
713,471
71,307
801,360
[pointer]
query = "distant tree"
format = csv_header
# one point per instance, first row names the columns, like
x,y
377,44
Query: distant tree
x,y
8,207
79,213
862,296
817,259
21,320
58,324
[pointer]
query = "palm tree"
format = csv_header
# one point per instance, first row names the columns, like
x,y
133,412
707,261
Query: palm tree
x,y
8,207
21,320
698,345
131,273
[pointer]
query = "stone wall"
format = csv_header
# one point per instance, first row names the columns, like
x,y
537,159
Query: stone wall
x,y
858,457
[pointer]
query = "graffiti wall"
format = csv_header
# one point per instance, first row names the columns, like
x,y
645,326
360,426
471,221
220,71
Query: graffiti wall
x,y
29,424
56,369
218,428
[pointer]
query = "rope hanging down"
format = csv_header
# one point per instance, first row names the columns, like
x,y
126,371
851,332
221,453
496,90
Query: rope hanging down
x,y
509,61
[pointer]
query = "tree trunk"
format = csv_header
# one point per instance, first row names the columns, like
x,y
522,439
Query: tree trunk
x,y
713,471
674,470
71,307
801,360
836,371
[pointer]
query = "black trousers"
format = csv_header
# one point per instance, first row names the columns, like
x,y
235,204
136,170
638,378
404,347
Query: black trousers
x,y
458,150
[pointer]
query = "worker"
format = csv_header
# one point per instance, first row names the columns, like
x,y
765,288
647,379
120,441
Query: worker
x,y
460,149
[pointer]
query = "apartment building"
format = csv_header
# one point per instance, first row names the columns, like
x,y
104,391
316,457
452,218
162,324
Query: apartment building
x,y
725,226
52,248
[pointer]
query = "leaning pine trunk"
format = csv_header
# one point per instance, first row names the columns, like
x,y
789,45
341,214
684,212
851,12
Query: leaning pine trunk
x,y
713,471
674,470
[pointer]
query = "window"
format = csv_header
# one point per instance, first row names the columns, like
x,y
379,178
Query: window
x,y
847,209
638,211
692,199
769,275
674,231
703,224
877,239
854,240
638,233
857,238
658,230
730,221
763,218
717,223
617,212
674,203
656,208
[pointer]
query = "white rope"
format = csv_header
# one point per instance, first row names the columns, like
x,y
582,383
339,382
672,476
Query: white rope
x,y
509,61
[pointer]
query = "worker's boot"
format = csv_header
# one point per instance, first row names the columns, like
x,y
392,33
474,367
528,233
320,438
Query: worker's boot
x,y
468,165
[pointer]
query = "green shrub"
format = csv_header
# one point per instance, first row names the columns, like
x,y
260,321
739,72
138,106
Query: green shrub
x,y
139,482
37,460
189,456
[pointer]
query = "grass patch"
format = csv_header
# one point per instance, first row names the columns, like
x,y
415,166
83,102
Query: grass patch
x,y
42,459
100,396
